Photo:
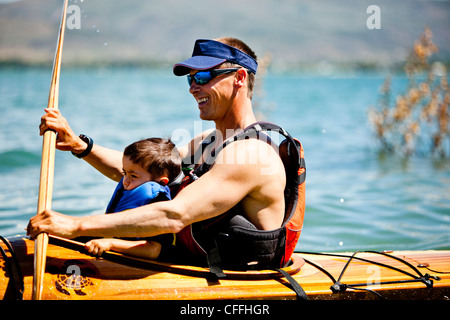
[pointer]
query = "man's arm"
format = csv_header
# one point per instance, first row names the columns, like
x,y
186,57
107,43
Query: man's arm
x,y
230,181
107,161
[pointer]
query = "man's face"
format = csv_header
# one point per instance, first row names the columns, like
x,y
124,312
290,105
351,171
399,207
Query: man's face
x,y
213,98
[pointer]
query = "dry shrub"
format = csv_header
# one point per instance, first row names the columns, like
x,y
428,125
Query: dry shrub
x,y
418,120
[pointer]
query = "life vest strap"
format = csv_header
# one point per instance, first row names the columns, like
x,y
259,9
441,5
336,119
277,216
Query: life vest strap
x,y
301,294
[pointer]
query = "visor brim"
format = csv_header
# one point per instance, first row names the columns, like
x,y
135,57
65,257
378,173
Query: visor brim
x,y
196,63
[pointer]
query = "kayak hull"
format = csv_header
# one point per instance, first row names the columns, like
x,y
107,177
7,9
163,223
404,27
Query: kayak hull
x,y
72,274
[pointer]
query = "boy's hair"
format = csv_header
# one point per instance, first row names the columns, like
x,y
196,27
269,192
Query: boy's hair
x,y
158,156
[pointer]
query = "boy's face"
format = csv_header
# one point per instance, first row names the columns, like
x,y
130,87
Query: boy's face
x,y
133,175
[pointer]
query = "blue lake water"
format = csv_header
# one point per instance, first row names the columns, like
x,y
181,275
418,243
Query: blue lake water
x,y
356,198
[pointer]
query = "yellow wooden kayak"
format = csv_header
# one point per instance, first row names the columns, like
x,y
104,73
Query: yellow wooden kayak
x,y
72,274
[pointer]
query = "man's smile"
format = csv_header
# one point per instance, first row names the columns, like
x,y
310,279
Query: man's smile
x,y
203,100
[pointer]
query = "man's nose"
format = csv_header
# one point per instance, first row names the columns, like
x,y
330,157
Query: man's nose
x,y
194,87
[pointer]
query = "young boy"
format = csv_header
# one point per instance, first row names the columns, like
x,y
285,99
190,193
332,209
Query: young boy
x,y
148,167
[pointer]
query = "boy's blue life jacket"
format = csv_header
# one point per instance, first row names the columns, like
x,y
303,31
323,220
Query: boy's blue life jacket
x,y
144,194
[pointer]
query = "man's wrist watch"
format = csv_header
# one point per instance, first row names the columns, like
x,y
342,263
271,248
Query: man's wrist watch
x,y
90,144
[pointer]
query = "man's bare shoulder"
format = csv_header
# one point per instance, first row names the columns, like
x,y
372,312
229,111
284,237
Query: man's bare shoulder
x,y
252,154
256,166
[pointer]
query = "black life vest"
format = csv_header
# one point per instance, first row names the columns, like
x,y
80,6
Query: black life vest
x,y
230,241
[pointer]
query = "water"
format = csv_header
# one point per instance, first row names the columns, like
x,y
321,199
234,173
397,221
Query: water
x,y
356,199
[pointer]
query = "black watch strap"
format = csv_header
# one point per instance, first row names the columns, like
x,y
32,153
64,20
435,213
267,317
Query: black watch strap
x,y
90,144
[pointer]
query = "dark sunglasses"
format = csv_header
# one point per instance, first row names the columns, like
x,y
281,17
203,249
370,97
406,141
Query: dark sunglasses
x,y
203,77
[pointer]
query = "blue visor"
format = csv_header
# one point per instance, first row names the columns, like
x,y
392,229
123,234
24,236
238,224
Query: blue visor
x,y
210,53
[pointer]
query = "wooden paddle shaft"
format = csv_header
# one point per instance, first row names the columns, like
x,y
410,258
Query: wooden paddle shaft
x,y
47,166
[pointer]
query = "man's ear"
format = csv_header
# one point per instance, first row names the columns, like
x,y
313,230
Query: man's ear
x,y
241,77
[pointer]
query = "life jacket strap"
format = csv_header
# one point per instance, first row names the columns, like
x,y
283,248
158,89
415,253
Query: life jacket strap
x,y
214,263
301,294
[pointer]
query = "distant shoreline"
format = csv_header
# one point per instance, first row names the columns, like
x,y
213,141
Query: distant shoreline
x,y
323,68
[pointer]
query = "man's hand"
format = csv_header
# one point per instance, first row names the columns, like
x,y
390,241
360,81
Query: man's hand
x,y
66,139
52,222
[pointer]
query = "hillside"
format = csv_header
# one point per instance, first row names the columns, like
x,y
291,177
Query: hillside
x,y
293,32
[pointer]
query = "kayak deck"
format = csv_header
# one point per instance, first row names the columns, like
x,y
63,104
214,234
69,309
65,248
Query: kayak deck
x,y
72,274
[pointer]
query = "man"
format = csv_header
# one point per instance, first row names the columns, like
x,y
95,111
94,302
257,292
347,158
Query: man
x,y
247,175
